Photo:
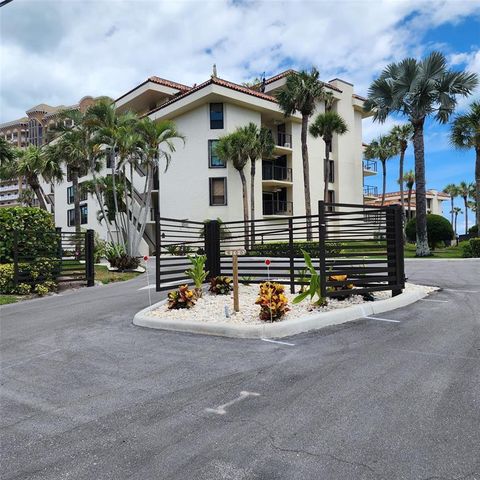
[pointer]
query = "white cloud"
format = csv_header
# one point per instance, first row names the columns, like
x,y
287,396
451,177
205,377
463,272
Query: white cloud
x,y
58,51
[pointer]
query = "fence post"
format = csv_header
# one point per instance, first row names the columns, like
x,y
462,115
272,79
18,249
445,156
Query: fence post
x,y
158,245
291,253
322,233
395,248
15,258
89,258
212,247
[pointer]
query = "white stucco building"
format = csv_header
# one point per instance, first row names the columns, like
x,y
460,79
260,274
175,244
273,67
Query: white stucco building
x,y
198,186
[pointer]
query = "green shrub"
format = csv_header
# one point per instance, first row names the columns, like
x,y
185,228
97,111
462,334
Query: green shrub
x,y
41,272
221,285
439,229
466,249
23,289
474,230
7,285
282,249
475,247
118,257
36,233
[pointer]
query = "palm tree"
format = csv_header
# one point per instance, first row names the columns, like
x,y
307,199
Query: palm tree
x,y
301,92
455,211
158,141
7,153
418,89
382,148
465,190
409,179
452,190
326,125
234,148
401,134
32,164
259,144
466,134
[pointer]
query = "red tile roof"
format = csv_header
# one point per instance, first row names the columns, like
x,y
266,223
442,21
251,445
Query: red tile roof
x,y
169,83
216,81
359,97
290,71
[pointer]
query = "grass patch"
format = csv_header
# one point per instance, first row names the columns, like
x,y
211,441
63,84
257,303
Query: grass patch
x,y
455,251
102,274
6,299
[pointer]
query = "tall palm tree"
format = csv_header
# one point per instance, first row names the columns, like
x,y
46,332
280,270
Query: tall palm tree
x,y
259,144
301,93
452,190
455,211
401,134
465,135
7,153
233,148
326,125
383,148
418,89
33,164
158,142
409,179
465,190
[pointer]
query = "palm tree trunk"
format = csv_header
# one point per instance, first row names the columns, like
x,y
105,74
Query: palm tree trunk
x,y
252,197
409,203
76,201
245,207
384,179
35,186
465,202
306,176
326,169
400,181
456,215
452,212
422,250
129,209
115,199
477,187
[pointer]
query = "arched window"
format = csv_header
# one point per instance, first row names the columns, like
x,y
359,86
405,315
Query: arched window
x,y
35,132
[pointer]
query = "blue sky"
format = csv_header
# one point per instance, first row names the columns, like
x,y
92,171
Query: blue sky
x,y
57,51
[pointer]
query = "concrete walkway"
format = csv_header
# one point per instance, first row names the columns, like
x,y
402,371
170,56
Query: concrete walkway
x,y
87,395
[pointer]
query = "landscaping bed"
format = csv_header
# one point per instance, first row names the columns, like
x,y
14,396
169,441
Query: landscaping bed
x,y
212,308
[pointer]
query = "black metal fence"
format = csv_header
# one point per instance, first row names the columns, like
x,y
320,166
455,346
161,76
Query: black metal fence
x,y
64,257
352,246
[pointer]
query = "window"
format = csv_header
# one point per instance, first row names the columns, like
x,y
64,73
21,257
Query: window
x,y
331,171
218,191
71,194
213,160
216,116
83,216
35,132
71,217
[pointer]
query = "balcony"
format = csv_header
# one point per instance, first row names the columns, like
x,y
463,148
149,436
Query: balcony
x,y
370,192
369,168
277,207
276,174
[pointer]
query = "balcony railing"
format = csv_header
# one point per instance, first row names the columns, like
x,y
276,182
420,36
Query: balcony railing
x,y
277,207
276,172
284,139
370,191
370,165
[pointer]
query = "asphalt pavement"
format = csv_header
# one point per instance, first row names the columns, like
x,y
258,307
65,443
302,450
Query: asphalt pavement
x,y
87,395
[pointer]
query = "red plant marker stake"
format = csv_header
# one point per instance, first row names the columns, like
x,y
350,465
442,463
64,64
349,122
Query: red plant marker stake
x,y
145,259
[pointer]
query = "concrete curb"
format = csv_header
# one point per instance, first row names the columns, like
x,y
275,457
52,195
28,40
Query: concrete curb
x,y
280,329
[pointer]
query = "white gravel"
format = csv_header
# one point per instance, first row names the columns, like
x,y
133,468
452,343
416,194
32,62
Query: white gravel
x,y
211,308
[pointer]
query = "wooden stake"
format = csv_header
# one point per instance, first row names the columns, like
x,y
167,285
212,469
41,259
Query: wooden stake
x,y
236,305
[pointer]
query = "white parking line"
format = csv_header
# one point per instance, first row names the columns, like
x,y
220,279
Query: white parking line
x,y
222,409
431,300
461,291
277,341
382,319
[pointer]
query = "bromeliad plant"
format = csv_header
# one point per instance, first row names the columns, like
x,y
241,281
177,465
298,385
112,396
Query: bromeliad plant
x,y
197,272
221,285
181,298
313,289
272,300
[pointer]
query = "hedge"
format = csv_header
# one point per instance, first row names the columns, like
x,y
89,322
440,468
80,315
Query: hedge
x,y
36,233
281,249
474,230
40,274
439,229
475,247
